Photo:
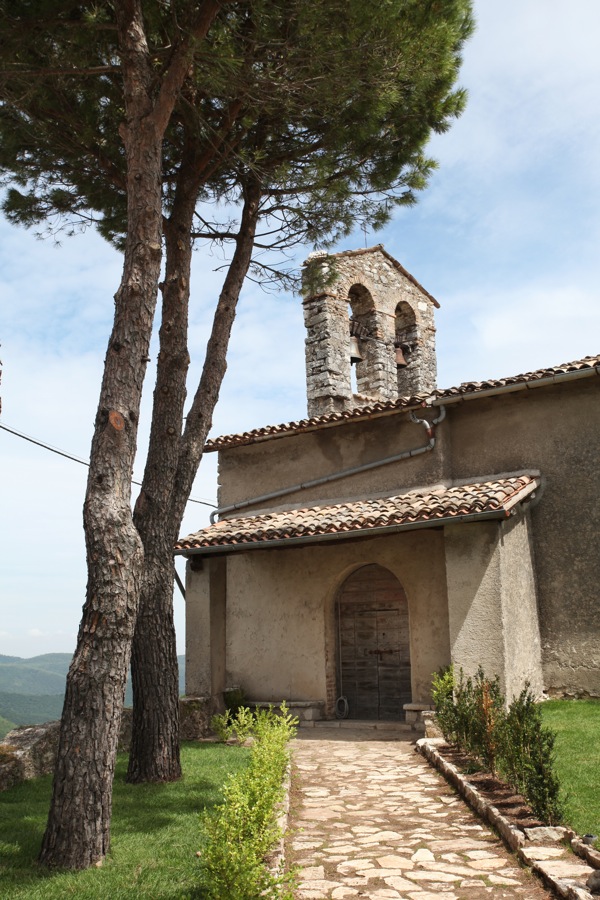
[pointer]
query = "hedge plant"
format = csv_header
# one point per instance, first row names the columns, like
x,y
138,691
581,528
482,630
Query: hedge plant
x,y
238,837
508,740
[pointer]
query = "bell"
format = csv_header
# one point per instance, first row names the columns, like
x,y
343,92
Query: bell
x,y
400,360
355,354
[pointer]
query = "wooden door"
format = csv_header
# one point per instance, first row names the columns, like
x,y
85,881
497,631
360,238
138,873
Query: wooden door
x,y
373,639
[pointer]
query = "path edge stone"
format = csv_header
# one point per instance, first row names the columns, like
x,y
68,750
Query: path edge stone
x,y
277,855
512,836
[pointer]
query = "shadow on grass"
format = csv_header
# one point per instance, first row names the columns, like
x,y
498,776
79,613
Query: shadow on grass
x,y
154,828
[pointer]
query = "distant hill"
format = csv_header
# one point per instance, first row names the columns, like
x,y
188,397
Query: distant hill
x,y
39,675
30,709
32,690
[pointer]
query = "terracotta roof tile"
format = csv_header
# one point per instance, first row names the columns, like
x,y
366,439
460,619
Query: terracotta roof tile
x,y
466,389
469,387
315,422
414,508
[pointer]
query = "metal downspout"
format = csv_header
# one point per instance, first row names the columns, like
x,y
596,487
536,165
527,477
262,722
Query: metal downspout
x,y
335,476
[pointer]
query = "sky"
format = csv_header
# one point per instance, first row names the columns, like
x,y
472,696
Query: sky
x,y
506,238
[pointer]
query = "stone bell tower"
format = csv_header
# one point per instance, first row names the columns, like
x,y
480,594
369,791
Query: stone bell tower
x,y
363,309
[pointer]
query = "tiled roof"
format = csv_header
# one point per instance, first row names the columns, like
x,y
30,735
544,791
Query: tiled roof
x,y
315,422
417,508
587,365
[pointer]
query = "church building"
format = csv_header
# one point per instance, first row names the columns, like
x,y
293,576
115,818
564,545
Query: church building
x,y
400,527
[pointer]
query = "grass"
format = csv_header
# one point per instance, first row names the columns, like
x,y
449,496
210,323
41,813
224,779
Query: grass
x,y
154,834
577,749
5,727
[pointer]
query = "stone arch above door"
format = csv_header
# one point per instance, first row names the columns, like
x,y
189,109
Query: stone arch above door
x,y
373,644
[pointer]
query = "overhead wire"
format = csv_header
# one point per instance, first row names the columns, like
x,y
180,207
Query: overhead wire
x,y
77,459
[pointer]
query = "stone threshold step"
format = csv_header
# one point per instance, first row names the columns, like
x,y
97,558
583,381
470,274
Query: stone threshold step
x,y
366,725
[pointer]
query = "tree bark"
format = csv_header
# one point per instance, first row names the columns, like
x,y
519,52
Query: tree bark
x,y
154,753
172,463
78,830
77,834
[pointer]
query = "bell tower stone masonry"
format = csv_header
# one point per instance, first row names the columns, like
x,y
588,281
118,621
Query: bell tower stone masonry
x,y
363,309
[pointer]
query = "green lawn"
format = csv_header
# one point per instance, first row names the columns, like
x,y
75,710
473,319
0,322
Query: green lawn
x,y
5,727
154,833
577,727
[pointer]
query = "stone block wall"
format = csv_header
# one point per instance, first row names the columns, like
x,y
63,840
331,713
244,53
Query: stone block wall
x,y
29,751
368,293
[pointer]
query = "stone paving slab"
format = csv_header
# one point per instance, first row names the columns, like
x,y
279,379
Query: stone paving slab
x,y
370,819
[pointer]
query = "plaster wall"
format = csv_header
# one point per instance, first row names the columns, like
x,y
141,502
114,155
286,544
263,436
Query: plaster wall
x,y
557,431
474,608
249,471
553,429
280,619
206,588
520,621
197,631
491,603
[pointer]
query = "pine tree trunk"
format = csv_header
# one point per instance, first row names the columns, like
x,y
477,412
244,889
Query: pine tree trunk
x,y
78,830
154,754
77,834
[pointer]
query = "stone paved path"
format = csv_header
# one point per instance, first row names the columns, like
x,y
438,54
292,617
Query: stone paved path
x,y
370,818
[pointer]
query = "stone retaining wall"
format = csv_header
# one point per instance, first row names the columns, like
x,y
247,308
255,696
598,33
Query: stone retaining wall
x,y
30,750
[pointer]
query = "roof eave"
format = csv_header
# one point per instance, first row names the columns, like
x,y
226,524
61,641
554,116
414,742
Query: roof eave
x,y
444,399
531,385
503,512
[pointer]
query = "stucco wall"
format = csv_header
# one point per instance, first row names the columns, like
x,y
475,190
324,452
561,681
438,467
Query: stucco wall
x,y
280,619
249,471
554,429
491,602
474,607
520,620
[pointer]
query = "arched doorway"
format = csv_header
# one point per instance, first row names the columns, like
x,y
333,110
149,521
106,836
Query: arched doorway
x,y
373,659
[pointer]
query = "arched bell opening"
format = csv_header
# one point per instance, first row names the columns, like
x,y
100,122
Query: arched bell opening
x,y
373,646
362,326
406,340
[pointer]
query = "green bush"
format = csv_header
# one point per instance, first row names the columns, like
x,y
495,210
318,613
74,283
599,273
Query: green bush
x,y
442,693
238,836
528,758
240,724
488,720
472,714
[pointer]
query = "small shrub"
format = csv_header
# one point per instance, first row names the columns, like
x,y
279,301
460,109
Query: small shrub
x,y
239,835
472,714
240,724
442,693
243,723
465,713
528,758
222,725
489,718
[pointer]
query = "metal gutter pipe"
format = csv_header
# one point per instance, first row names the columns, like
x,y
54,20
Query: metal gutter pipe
x,y
335,476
